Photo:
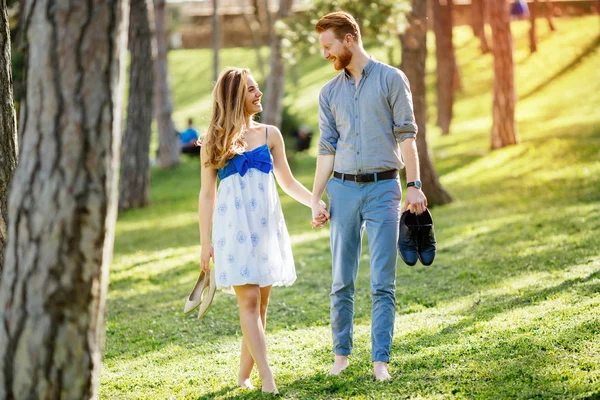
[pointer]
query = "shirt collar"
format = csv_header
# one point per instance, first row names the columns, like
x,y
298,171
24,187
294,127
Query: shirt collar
x,y
366,70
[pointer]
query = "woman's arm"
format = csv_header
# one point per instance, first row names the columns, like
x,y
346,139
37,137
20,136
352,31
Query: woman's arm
x,y
206,207
284,176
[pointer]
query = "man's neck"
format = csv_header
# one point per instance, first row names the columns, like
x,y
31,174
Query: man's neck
x,y
360,59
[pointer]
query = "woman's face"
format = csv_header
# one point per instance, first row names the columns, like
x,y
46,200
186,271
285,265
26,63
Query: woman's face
x,y
253,97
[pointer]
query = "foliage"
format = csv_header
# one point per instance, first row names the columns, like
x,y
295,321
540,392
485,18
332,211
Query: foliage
x,y
380,22
508,310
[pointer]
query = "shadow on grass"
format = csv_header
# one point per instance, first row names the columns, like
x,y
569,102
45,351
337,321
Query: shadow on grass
x,y
567,68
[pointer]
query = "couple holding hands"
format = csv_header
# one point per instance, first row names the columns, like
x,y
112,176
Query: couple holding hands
x,y
367,134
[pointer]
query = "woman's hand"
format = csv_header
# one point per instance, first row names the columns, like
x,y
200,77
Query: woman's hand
x,y
206,254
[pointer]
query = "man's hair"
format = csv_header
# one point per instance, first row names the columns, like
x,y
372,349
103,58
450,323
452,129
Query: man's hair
x,y
341,23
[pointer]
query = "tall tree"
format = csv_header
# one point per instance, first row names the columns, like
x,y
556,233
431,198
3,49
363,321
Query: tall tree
x,y
446,62
504,128
8,125
550,13
478,18
216,38
168,142
532,35
134,185
414,53
63,201
275,82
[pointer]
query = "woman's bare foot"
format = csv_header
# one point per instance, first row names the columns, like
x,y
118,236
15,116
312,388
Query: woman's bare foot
x,y
339,365
268,384
245,383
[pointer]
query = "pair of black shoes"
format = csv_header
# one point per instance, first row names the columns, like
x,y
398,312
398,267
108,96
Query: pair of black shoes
x,y
417,238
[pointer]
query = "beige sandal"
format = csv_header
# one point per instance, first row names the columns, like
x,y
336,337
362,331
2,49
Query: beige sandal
x,y
202,295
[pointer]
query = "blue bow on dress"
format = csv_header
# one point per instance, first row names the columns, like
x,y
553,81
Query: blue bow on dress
x,y
259,158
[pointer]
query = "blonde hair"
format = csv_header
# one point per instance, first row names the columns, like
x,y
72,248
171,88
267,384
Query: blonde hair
x,y
341,23
223,139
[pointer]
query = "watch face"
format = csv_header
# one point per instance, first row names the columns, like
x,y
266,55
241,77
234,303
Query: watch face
x,y
416,184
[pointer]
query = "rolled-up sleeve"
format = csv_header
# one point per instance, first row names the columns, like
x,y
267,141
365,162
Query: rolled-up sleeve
x,y
329,134
403,115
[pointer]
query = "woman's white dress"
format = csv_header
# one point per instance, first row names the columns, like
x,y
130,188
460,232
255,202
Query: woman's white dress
x,y
250,238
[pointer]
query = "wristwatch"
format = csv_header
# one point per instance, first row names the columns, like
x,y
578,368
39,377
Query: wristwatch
x,y
416,184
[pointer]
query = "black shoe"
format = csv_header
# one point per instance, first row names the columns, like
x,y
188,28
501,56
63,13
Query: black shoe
x,y
426,242
408,240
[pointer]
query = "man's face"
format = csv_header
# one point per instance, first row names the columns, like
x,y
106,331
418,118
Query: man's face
x,y
335,50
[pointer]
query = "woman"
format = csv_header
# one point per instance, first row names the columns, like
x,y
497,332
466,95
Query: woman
x,y
250,244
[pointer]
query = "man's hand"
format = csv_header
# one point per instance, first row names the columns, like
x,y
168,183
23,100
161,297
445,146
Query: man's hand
x,y
206,254
320,214
415,200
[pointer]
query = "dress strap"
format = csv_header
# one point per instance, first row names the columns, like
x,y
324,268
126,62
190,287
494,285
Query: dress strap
x,y
267,133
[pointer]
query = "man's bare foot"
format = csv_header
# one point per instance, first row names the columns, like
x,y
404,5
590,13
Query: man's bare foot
x,y
380,371
339,365
245,383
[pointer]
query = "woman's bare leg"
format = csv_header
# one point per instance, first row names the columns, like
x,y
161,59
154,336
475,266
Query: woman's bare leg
x,y
246,360
249,300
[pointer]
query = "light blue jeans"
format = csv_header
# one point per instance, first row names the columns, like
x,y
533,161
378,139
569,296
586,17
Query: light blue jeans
x,y
354,207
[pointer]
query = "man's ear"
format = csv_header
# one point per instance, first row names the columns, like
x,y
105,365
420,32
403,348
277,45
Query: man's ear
x,y
349,38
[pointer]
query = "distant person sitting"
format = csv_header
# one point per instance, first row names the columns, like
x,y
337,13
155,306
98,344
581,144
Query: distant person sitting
x,y
188,140
303,138
519,9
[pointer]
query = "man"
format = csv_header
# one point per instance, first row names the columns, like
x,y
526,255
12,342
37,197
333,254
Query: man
x,y
188,140
368,133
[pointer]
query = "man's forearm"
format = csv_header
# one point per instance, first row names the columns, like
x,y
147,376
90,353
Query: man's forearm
x,y
410,156
322,174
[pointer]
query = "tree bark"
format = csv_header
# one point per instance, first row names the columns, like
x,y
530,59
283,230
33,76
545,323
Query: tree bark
x,y
478,18
504,128
276,80
414,53
446,63
134,186
532,35
63,202
168,142
216,39
8,125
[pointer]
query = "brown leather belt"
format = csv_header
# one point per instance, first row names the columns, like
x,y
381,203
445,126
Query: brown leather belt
x,y
363,178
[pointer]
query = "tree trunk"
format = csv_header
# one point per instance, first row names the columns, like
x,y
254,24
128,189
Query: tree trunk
x,y
414,53
478,18
63,201
8,125
504,128
550,13
216,39
168,141
263,15
254,27
134,186
276,80
532,35
446,64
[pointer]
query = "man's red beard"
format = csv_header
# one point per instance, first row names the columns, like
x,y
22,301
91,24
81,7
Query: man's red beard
x,y
342,60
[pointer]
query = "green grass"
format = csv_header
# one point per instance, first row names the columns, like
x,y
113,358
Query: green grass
x,y
509,309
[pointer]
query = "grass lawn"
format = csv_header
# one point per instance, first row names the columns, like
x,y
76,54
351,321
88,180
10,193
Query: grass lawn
x,y
509,309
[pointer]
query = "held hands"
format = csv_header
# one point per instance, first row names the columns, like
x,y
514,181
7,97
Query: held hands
x,y
206,254
415,201
320,215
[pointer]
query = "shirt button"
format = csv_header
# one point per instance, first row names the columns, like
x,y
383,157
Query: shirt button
x,y
359,170
358,152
